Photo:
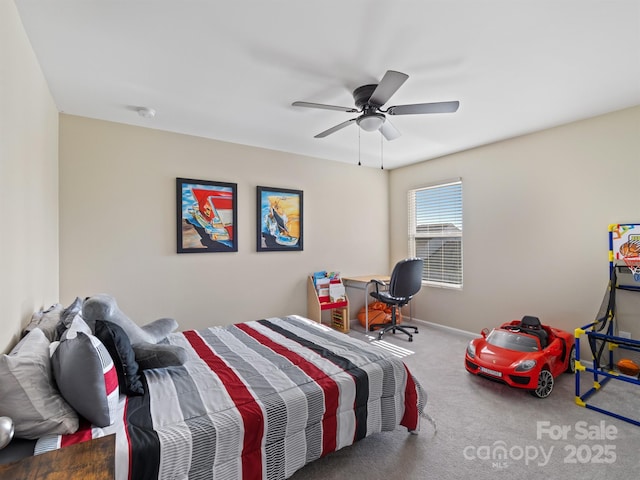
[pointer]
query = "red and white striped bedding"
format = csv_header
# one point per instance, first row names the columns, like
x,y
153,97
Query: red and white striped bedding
x,y
257,400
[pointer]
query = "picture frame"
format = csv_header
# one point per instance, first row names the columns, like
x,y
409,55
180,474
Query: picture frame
x,y
279,215
207,216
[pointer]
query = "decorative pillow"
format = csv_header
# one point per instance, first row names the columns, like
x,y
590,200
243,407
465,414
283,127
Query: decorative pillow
x,y
150,356
68,314
79,325
117,342
86,376
47,321
27,392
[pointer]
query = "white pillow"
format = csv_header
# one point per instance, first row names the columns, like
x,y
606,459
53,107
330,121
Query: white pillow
x,y
27,392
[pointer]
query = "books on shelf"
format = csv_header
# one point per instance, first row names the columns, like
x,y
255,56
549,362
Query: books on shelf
x,y
337,292
329,286
322,287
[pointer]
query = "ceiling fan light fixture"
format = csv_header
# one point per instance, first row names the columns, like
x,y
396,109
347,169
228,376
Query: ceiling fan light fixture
x,y
371,122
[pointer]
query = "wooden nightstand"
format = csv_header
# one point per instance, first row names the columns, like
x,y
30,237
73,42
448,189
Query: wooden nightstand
x,y
90,460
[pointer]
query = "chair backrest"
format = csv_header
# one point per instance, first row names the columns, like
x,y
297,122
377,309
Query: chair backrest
x,y
406,278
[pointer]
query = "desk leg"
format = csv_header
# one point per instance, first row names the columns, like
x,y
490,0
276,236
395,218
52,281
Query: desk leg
x,y
366,298
366,307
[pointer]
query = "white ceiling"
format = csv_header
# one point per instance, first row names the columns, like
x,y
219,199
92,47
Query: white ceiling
x,y
229,70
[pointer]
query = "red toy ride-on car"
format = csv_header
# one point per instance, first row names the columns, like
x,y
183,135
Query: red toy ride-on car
x,y
523,354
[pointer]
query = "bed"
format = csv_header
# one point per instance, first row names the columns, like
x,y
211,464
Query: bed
x,y
256,400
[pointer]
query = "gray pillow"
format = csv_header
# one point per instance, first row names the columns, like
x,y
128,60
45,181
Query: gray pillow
x,y
150,356
86,376
47,321
68,314
27,392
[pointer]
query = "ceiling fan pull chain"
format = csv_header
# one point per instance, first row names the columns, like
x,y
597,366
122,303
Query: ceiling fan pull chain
x,y
381,154
359,164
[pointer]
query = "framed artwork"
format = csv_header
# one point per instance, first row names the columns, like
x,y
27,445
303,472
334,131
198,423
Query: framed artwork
x,y
279,215
207,216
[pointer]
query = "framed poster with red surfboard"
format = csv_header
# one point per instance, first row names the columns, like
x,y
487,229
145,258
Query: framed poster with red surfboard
x,y
207,215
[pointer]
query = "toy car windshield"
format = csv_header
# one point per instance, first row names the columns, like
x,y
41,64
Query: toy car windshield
x,y
513,341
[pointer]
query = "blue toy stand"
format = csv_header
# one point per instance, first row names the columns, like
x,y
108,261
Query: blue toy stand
x,y
602,335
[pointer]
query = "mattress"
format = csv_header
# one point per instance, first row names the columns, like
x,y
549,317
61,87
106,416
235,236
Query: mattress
x,y
257,400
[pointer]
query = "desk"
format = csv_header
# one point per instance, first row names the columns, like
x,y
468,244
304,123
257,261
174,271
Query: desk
x,y
363,282
90,460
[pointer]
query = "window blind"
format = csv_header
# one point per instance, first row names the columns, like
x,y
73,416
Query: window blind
x,y
435,231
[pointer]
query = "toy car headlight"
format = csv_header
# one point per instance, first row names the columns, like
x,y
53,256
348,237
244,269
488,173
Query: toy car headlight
x,y
471,350
525,365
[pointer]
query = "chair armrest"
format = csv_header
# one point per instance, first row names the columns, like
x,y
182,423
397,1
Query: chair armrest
x,y
379,283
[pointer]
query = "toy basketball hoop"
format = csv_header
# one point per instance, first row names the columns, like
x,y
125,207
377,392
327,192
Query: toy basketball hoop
x,y
633,263
624,245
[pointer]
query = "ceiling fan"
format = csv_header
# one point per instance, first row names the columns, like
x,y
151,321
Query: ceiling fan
x,y
369,100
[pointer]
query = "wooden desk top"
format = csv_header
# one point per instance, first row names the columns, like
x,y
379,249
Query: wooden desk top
x,y
367,278
91,460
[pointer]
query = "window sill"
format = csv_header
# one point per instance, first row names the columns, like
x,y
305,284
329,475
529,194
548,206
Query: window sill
x,y
447,286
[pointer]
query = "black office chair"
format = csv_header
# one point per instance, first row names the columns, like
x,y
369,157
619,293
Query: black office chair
x,y
405,282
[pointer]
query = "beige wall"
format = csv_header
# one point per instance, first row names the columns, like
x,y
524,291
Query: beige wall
x,y
536,213
28,182
118,224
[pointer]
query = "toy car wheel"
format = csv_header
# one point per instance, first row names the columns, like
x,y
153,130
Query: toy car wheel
x,y
545,384
571,365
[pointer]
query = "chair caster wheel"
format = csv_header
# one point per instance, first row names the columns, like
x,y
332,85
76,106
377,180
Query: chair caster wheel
x,y
416,330
411,339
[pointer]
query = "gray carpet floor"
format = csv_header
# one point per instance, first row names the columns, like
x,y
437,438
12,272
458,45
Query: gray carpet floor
x,y
486,430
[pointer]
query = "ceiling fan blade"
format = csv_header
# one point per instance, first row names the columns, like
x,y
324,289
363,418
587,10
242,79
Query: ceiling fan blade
x,y
417,108
325,107
389,84
388,131
340,126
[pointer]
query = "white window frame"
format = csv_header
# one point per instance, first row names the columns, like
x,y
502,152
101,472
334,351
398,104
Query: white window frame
x,y
443,219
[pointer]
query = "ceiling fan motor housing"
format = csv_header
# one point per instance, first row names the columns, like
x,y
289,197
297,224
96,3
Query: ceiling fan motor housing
x,y
371,119
362,94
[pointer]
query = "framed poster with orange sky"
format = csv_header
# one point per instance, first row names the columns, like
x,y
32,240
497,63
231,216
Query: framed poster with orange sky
x,y
207,216
279,219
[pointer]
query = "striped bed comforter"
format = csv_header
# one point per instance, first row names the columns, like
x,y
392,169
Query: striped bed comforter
x,y
258,400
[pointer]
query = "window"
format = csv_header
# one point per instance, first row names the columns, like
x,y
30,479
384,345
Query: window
x,y
435,232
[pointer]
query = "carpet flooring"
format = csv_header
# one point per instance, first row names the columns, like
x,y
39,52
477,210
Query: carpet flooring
x,y
484,430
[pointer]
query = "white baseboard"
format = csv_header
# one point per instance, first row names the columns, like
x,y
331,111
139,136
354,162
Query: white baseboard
x,y
447,328
431,324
